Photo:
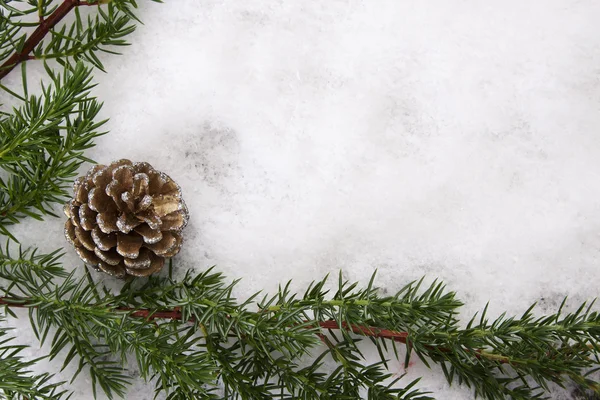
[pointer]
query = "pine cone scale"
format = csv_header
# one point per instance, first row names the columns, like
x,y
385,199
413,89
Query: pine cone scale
x,y
102,177
111,257
174,222
156,265
125,218
99,201
129,245
153,220
88,257
107,222
104,241
148,234
129,200
127,222
122,178
87,217
115,270
169,243
70,233
142,261
80,194
141,183
85,238
165,204
144,203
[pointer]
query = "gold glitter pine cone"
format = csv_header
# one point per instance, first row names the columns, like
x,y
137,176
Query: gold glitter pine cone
x,y
125,218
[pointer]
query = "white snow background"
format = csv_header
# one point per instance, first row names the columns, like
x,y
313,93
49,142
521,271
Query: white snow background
x,y
456,139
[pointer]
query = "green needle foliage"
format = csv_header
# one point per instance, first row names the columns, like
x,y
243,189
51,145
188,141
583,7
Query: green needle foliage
x,y
16,382
42,143
212,347
81,40
44,132
43,136
194,340
190,337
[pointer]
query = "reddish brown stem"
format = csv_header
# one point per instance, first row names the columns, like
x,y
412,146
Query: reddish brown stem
x,y
361,330
12,303
176,315
367,331
38,35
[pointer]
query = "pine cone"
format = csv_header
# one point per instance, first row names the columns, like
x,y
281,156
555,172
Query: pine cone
x,y
125,218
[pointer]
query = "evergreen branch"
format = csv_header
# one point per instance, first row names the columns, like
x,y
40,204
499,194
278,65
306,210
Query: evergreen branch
x,y
191,336
29,270
184,363
42,144
230,367
42,141
16,381
45,25
70,43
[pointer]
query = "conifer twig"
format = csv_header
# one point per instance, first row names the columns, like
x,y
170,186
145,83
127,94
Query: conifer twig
x,y
176,314
17,381
363,330
191,334
45,25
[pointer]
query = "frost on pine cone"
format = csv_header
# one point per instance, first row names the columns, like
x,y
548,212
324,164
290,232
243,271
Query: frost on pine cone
x,y
125,218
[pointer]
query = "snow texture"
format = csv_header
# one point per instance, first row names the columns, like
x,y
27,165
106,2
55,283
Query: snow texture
x,y
455,139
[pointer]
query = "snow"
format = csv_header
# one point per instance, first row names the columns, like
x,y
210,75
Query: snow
x,y
450,138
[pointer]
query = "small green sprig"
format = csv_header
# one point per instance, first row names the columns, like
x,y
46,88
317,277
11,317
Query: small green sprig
x,y
17,382
42,144
518,357
101,31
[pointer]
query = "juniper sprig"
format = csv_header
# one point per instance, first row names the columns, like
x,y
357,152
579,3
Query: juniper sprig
x,y
195,340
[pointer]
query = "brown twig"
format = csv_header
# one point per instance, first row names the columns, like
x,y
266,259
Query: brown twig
x,y
367,331
371,331
38,35
6,301
331,324
176,314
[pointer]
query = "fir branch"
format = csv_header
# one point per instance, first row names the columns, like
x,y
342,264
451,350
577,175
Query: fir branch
x,y
70,43
28,271
192,336
42,144
16,381
22,52
186,359
42,141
